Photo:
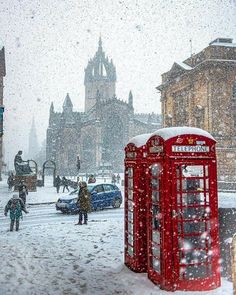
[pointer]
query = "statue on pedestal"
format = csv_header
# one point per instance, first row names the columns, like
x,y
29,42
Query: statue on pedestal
x,y
21,167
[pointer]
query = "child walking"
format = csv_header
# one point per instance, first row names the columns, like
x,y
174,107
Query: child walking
x,y
15,205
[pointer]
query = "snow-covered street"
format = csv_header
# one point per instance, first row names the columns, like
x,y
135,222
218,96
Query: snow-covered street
x,y
50,255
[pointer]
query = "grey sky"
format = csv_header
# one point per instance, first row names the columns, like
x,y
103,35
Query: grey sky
x,y
48,44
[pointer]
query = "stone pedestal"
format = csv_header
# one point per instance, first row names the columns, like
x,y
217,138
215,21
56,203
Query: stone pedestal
x,y
29,180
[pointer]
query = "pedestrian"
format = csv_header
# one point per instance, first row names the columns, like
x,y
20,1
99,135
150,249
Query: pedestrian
x,y
57,183
65,184
113,178
118,178
91,179
83,201
10,181
15,205
23,191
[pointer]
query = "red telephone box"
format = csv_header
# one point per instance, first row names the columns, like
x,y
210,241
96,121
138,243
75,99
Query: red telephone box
x,y
182,210
135,204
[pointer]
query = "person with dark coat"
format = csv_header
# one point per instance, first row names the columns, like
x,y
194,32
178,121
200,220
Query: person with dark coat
x,y
118,178
65,184
83,201
10,181
91,179
15,205
57,183
23,191
113,179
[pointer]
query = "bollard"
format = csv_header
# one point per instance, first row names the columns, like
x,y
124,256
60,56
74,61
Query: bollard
x,y
234,263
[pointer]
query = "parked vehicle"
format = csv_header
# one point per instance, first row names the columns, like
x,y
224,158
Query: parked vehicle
x,y
103,195
105,169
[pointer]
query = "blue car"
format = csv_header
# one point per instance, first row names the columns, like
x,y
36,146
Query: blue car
x,y
103,195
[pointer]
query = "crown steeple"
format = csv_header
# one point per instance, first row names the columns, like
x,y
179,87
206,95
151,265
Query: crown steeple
x,y
99,78
100,68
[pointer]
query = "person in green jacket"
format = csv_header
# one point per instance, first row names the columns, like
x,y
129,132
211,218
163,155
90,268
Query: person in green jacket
x,y
83,201
15,205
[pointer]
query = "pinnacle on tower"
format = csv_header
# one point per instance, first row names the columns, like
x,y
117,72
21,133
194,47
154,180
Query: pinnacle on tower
x,y
67,103
52,108
100,44
130,99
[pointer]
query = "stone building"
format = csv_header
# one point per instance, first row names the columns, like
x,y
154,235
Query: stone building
x,y
2,74
98,135
201,92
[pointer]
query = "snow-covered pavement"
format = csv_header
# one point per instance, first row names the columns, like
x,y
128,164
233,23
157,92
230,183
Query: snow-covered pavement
x,y
50,255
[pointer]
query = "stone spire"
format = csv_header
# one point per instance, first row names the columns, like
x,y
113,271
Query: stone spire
x,y
68,111
33,141
67,105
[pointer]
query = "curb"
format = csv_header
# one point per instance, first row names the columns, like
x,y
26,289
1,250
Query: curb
x,y
36,204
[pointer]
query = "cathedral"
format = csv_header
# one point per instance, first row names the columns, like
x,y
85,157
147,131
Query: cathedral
x,y
98,135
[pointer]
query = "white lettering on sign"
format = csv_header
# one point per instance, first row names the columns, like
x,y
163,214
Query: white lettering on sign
x,y
156,149
190,148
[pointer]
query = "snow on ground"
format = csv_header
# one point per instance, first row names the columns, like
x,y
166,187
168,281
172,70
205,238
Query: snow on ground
x,y
50,255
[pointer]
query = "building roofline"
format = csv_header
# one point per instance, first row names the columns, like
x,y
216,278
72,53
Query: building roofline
x,y
161,86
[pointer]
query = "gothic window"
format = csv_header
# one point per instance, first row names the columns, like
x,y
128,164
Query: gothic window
x,y
234,91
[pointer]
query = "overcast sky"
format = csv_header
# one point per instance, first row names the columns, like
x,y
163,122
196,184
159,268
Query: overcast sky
x,y
48,44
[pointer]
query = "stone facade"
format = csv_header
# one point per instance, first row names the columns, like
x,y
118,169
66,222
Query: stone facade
x,y
2,74
99,134
201,92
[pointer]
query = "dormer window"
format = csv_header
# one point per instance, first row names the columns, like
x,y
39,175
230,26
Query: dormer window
x,y
234,91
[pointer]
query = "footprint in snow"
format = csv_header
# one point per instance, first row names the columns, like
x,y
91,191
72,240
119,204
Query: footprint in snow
x,y
75,266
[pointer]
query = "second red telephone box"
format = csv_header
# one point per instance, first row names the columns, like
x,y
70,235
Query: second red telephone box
x,y
135,204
